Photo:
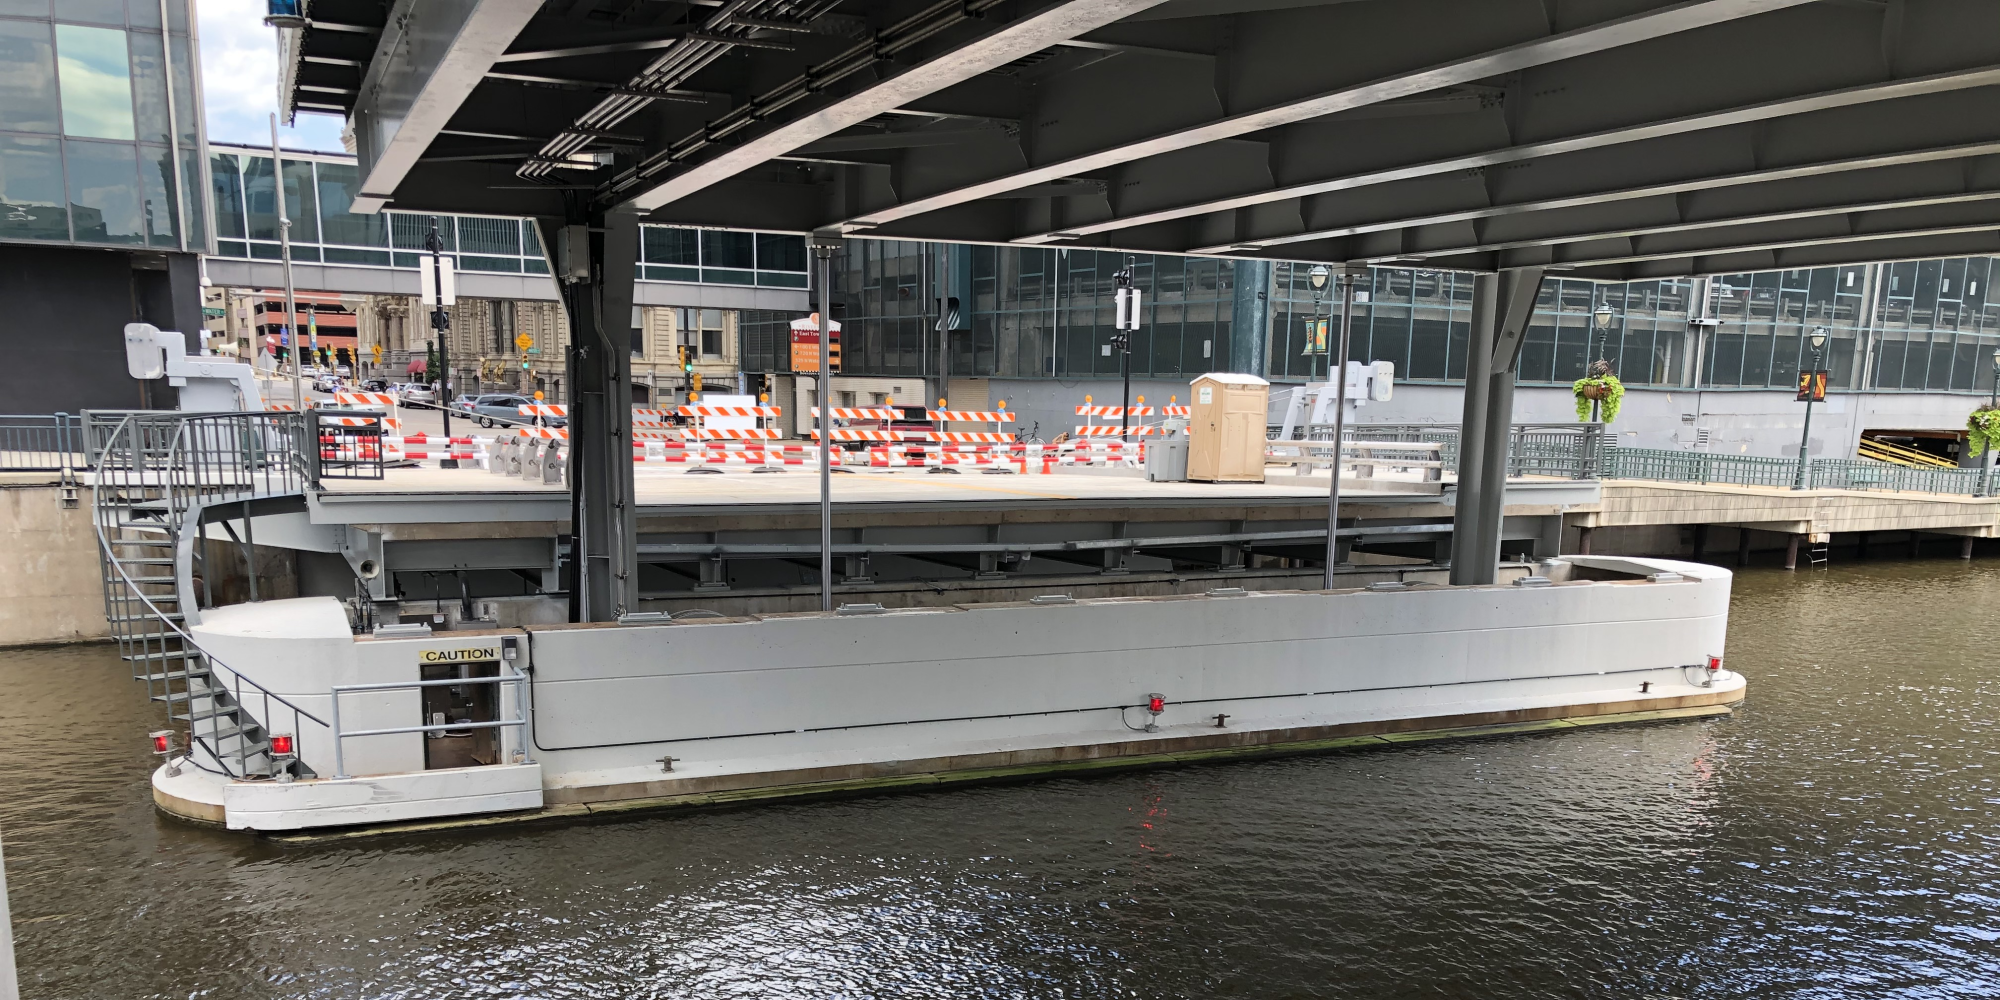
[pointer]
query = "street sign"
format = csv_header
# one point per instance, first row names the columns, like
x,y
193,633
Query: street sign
x,y
805,345
428,281
1812,387
523,341
376,350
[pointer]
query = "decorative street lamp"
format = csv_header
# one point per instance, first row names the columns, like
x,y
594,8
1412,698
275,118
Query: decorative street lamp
x,y
1600,321
1993,403
1810,387
1318,277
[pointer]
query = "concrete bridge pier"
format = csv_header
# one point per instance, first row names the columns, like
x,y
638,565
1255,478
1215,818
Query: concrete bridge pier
x,y
1792,551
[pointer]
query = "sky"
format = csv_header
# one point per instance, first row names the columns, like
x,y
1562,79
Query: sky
x,y
239,70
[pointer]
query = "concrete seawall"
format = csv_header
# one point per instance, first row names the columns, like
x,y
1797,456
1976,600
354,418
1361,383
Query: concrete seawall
x,y
49,586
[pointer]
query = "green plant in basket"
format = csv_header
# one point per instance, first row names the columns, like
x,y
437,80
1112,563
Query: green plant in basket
x,y
1602,387
1982,429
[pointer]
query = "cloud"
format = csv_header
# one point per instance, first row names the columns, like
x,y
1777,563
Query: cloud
x,y
239,70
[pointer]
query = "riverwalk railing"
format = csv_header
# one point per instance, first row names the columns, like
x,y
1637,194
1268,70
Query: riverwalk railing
x,y
41,442
1662,465
1560,451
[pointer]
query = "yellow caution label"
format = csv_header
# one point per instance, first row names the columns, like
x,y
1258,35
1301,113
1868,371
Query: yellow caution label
x,y
457,655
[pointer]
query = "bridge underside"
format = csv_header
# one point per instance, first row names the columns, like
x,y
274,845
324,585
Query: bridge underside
x,y
1608,138
1615,138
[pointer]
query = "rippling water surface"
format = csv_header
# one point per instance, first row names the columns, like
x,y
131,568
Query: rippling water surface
x,y
1836,838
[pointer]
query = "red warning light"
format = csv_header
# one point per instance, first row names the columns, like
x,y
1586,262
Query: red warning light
x,y
1156,704
163,742
1714,664
281,744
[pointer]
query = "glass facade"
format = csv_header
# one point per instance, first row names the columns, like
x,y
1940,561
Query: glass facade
x,y
96,101
320,190
1043,312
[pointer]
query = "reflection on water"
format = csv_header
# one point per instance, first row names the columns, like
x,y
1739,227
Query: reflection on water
x,y
1834,839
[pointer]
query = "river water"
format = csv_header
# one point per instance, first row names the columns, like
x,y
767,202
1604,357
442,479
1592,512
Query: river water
x,y
1835,838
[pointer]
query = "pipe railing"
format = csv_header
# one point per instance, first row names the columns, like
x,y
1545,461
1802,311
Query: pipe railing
x,y
340,736
34,442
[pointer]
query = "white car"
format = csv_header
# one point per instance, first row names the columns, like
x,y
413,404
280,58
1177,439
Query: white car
x,y
416,392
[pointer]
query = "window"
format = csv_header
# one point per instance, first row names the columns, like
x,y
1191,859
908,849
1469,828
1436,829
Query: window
x,y
27,77
31,189
338,183
96,78
721,249
104,192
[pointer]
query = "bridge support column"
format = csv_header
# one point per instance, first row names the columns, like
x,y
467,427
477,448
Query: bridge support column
x,y
1792,551
1583,540
1916,544
1743,546
1965,547
595,253
1511,304
1472,429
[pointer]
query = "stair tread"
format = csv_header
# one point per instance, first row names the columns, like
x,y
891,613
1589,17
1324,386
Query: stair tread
x,y
205,715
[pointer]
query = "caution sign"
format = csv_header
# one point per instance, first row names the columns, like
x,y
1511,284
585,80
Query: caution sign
x,y
457,655
1812,387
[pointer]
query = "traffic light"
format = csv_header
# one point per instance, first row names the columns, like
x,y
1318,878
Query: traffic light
x,y
697,382
687,363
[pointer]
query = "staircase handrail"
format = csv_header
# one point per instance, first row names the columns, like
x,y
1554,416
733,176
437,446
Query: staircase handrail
x,y
111,558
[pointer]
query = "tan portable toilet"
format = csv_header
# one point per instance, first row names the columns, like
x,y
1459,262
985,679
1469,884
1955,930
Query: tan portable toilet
x,y
1226,428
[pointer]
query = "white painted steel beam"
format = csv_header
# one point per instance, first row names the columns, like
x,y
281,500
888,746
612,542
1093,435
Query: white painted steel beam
x,y
1497,62
1017,40
1608,196
427,62
1764,111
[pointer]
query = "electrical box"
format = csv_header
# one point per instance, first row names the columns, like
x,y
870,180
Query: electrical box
x,y
1226,428
1383,384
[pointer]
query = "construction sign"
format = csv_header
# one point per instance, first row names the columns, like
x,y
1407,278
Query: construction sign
x,y
805,345
1812,387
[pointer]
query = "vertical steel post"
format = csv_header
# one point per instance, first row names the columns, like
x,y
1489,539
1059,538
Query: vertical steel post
x,y
285,258
339,756
823,260
10,983
1472,427
1339,373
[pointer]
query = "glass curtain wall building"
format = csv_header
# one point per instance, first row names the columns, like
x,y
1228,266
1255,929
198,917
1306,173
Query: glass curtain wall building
x,y
100,128
320,190
103,208
1047,313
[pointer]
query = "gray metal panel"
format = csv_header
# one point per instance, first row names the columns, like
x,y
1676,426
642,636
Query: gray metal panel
x,y
428,59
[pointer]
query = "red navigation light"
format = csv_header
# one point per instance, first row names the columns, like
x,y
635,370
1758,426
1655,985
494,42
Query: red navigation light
x,y
163,741
1156,704
1714,664
281,744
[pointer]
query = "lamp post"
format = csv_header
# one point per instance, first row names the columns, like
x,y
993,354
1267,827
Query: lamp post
x,y
1126,323
1600,321
1993,403
1809,387
441,322
1318,278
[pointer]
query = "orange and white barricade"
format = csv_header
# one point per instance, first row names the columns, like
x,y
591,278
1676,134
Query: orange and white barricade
x,y
1113,430
351,399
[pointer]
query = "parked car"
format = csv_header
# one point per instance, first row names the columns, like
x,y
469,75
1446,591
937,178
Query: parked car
x,y
375,385
494,408
416,392
327,383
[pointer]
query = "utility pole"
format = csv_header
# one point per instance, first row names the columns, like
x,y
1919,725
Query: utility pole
x,y
290,335
441,322
1126,324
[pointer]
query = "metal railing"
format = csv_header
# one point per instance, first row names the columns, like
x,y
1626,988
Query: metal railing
x,y
34,442
1862,474
1750,470
1560,451
520,719
1698,467
152,471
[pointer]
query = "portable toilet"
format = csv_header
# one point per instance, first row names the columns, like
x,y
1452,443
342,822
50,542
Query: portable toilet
x,y
1226,428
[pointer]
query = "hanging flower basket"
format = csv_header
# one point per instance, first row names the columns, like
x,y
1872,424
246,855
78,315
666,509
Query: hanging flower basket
x,y
1601,387
1982,429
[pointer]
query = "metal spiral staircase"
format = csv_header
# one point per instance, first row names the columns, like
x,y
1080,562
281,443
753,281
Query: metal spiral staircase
x,y
156,477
